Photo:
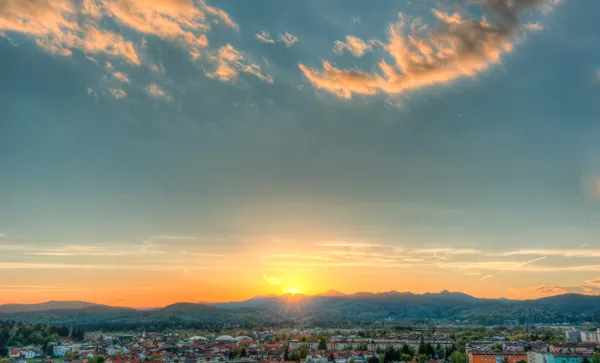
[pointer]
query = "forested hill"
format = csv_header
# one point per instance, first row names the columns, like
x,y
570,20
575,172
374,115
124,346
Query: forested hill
x,y
291,310
16,334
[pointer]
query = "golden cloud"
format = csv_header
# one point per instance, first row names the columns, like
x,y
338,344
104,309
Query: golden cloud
x,y
460,47
58,26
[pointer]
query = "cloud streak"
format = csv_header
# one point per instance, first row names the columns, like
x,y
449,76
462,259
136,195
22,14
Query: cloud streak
x,y
460,46
513,267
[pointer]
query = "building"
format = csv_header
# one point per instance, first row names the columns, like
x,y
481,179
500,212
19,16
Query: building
x,y
497,357
568,358
590,336
573,335
537,357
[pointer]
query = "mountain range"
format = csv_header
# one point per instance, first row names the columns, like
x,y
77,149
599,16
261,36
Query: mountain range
x,y
322,309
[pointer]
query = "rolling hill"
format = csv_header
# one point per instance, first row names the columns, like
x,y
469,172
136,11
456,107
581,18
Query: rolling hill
x,y
323,309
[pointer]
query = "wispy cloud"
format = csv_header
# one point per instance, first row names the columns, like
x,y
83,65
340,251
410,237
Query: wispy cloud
x,y
272,280
347,244
459,47
287,39
553,252
514,267
62,26
356,46
448,251
297,257
117,93
122,77
556,290
595,281
174,238
156,91
265,37
230,62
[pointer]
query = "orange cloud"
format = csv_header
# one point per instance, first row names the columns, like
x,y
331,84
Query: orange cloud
x,y
121,77
165,19
219,14
459,47
55,28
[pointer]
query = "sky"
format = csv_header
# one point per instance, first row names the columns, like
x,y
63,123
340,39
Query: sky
x,y
160,151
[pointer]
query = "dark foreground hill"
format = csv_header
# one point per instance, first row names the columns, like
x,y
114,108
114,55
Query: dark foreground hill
x,y
289,310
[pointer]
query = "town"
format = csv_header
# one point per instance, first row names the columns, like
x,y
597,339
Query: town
x,y
495,344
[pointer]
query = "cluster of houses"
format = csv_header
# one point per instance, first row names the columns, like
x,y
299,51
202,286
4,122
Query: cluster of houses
x,y
349,348
530,352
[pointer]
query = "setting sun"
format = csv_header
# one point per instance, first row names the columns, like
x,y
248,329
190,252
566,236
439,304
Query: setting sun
x,y
293,291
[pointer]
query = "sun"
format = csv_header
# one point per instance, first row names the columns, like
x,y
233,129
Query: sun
x,y
293,291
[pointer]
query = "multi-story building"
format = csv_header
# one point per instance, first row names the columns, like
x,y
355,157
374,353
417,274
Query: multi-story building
x,y
537,357
497,357
590,336
573,335
568,358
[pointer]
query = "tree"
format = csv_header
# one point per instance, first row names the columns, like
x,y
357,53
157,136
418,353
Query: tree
x,y
406,357
441,353
423,358
373,359
49,350
69,356
422,346
243,352
295,356
458,357
429,350
596,358
322,344
303,352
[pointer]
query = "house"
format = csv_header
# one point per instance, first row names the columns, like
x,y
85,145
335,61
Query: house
x,y
444,332
29,354
61,350
14,353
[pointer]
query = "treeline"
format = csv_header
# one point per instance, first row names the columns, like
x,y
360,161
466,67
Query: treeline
x,y
17,334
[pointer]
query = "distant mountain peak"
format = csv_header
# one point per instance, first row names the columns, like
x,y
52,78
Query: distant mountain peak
x,y
332,293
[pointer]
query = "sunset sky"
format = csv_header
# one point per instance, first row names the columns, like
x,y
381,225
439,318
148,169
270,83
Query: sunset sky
x,y
156,151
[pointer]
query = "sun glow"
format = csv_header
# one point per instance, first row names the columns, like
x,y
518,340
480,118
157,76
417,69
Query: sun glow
x,y
293,291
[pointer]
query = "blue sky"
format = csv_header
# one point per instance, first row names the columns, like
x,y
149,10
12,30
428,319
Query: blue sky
x,y
125,122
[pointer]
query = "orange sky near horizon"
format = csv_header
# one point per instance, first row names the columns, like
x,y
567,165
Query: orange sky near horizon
x,y
166,270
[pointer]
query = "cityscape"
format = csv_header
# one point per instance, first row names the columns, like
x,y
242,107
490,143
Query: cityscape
x,y
299,181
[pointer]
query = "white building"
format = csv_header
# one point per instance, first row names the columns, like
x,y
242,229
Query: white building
x,y
590,336
573,335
